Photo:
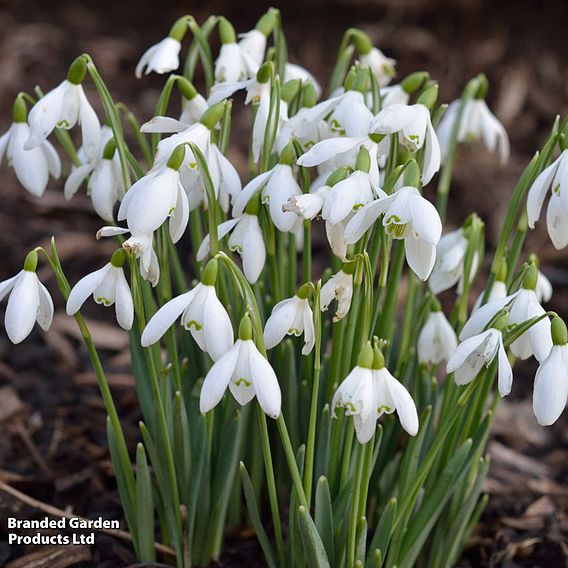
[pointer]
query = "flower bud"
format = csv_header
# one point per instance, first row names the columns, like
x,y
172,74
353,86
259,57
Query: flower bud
x,y
414,81
366,356
226,31
178,30
213,115
559,331
186,88
77,71
361,41
309,95
245,328
209,274
109,150
530,278
429,96
290,89
304,291
481,92
287,156
360,81
118,257
266,23
363,162
378,359
337,176
265,72
19,110
176,157
412,174
30,262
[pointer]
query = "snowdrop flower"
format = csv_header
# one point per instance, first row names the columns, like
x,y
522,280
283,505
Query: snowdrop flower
x,y
29,302
479,351
160,58
276,186
142,247
64,107
523,306
414,126
551,381
394,95
201,313
555,179
105,186
449,267
156,197
246,239
342,151
292,316
478,123
247,374
369,391
437,340
407,216
32,167
350,115
108,286
381,65
233,63
339,287
350,193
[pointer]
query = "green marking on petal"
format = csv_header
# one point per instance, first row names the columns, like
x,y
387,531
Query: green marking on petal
x,y
188,325
243,381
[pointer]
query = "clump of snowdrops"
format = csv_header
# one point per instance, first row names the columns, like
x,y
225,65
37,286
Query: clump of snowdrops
x,y
328,398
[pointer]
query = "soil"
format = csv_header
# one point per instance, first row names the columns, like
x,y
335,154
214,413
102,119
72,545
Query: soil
x,y
53,446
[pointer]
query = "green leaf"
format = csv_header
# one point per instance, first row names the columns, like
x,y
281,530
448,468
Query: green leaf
x,y
314,550
127,496
144,508
383,532
423,521
254,515
182,447
324,516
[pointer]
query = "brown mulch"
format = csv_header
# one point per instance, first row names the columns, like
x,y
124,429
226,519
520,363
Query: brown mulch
x,y
53,443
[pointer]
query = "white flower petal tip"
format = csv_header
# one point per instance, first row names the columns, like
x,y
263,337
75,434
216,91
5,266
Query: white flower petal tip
x,y
162,57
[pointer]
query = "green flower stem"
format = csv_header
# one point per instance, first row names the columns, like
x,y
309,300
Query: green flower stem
x,y
291,460
113,117
353,515
104,387
448,168
162,107
211,199
408,323
517,245
140,138
292,265
347,453
270,480
311,443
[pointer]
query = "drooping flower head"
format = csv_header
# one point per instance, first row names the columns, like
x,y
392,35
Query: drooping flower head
x,y
369,391
108,286
201,313
34,166
437,340
64,107
246,372
29,302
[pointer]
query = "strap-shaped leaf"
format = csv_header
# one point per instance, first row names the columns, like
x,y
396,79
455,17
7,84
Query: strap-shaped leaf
x,y
314,550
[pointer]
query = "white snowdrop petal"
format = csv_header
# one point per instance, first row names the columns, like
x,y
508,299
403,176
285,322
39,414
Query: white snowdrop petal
x,y
23,306
217,380
165,317
124,305
265,384
84,288
505,374
217,328
280,321
550,388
